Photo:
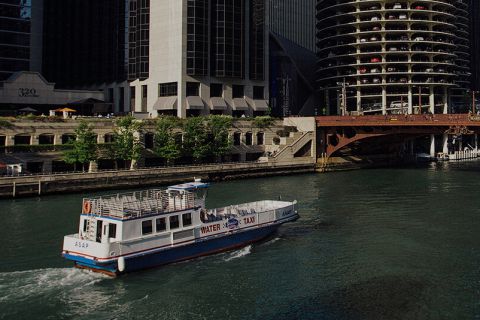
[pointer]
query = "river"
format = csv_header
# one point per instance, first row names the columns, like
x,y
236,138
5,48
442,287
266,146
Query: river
x,y
372,244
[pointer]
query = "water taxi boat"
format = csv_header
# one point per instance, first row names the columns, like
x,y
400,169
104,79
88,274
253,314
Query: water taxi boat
x,y
129,232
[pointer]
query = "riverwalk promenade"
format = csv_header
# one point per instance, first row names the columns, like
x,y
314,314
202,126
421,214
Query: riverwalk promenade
x,y
34,185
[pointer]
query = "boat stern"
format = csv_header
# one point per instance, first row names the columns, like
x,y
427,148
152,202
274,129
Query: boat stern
x,y
287,213
87,254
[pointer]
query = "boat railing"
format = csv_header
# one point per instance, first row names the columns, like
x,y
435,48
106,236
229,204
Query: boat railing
x,y
140,203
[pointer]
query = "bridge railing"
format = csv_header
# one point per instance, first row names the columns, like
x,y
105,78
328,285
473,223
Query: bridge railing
x,y
419,118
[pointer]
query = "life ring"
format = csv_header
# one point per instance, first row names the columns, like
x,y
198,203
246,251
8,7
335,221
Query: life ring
x,y
87,207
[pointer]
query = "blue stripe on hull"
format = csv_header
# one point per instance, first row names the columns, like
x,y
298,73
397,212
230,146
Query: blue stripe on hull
x,y
175,254
197,249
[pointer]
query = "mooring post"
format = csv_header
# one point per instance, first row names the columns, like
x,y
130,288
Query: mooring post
x,y
14,187
39,187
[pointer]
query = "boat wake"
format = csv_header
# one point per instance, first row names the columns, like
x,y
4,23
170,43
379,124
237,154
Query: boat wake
x,y
271,241
238,253
22,285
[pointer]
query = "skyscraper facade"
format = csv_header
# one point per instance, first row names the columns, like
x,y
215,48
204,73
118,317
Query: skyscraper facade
x,y
85,46
15,35
194,57
294,20
475,43
84,42
393,57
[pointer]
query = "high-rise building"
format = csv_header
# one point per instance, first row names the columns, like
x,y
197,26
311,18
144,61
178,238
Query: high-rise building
x,y
85,46
190,57
294,20
475,43
393,57
16,52
292,26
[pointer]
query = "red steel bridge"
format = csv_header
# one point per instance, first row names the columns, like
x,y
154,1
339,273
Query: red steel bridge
x,y
335,133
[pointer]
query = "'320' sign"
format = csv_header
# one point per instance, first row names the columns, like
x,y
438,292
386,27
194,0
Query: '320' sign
x,y
27,92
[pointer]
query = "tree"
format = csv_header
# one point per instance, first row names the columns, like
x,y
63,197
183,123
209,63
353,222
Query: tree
x,y
165,141
126,142
195,139
219,143
84,147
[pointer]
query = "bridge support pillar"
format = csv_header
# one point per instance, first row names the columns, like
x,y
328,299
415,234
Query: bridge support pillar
x,y
445,101
359,101
432,100
432,145
410,100
445,143
384,100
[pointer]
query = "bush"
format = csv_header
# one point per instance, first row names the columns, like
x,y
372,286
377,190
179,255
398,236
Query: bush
x,y
263,122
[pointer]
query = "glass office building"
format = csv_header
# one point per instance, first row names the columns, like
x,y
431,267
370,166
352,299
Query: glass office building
x,y
15,26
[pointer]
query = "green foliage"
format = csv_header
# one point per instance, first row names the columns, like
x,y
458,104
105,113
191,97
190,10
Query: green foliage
x,y
84,147
195,139
204,137
217,128
5,123
263,122
126,143
166,145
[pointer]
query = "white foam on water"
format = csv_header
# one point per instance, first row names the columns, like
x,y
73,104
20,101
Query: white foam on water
x,y
272,241
239,253
22,285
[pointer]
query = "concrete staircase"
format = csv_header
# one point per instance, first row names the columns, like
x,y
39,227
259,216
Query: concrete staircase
x,y
293,144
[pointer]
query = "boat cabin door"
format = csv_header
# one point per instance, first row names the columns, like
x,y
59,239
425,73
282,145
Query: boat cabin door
x,y
98,237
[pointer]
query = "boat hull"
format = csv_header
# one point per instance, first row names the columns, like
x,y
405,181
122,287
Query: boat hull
x,y
175,254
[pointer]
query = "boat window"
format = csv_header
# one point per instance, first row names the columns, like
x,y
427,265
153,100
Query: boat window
x,y
187,219
174,222
85,223
112,230
161,225
146,227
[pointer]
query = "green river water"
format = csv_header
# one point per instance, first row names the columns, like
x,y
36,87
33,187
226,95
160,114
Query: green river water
x,y
372,244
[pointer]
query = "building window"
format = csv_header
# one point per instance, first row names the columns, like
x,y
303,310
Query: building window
x,y
248,138
132,98
139,39
197,37
216,90
187,219
149,140
146,227
257,39
260,138
109,138
193,89
236,138
112,230
67,138
258,93
111,95
121,102
167,89
161,225
228,38
144,97
238,91
21,139
174,222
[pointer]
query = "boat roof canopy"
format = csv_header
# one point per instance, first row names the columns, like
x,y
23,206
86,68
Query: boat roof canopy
x,y
190,186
